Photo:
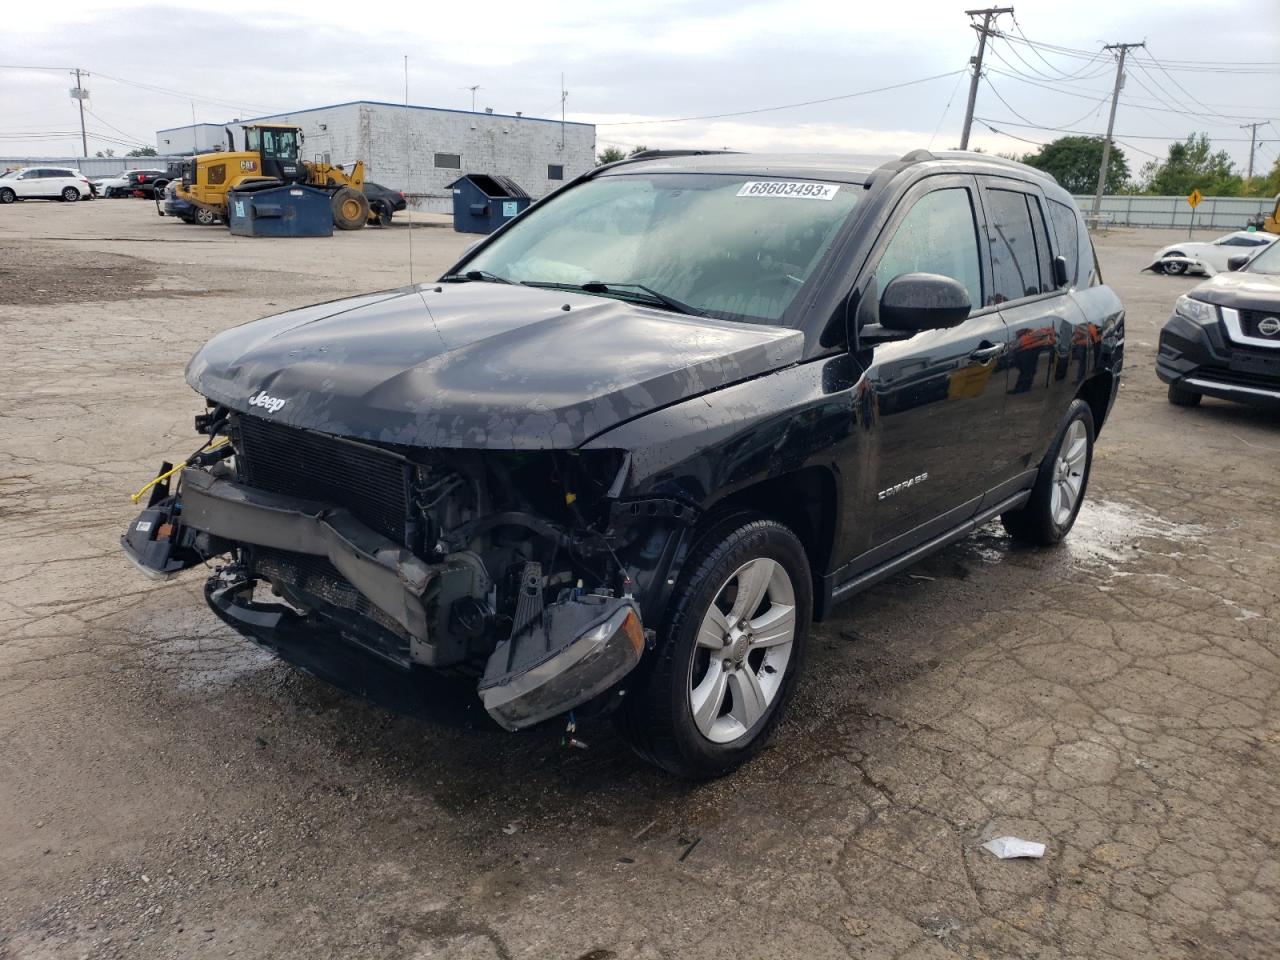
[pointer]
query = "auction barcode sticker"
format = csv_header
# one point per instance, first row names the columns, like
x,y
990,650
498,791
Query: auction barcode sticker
x,y
793,189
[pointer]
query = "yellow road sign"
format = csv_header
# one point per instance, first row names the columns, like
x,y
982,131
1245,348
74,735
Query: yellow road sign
x,y
1194,199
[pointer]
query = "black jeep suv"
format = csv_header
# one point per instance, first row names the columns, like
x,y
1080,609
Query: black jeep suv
x,y
1223,339
628,448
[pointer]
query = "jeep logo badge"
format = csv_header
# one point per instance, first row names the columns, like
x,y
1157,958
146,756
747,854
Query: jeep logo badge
x,y
270,404
1269,326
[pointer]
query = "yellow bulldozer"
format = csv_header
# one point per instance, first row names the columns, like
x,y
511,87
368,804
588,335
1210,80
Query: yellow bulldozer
x,y
270,156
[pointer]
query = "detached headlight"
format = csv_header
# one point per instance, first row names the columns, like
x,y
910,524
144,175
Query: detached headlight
x,y
1197,311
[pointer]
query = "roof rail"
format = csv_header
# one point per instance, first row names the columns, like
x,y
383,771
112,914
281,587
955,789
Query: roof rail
x,y
889,169
658,154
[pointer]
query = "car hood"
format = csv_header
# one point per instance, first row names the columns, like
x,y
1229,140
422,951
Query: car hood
x,y
477,365
1241,291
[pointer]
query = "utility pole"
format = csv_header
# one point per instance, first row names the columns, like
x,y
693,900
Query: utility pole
x,y
473,90
1124,48
564,95
80,94
1253,143
984,31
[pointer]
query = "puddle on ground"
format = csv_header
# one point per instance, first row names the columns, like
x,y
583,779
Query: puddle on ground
x,y
1106,532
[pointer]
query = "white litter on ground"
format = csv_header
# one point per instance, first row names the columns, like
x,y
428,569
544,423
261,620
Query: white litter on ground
x,y
1008,848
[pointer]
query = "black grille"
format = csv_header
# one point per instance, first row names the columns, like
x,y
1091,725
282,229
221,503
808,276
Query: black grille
x,y
312,466
1250,319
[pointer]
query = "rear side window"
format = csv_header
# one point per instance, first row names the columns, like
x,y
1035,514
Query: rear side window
x,y
1067,230
938,235
1015,267
1043,256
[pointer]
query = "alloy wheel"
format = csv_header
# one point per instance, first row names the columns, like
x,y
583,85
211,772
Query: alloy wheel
x,y
1068,472
743,648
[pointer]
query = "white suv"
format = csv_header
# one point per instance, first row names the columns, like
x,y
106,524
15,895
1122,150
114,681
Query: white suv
x,y
46,183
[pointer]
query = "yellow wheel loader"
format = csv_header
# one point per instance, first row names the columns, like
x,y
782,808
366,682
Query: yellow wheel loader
x,y
270,156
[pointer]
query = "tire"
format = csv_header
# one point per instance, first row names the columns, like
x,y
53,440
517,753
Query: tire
x,y
7,195
1060,486
744,700
1175,269
206,218
70,194
1182,397
350,209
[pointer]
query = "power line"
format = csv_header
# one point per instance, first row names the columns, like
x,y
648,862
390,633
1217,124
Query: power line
x,y
1087,133
1207,66
1090,112
784,106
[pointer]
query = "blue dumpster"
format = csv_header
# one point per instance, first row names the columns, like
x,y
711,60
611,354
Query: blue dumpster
x,y
483,202
289,210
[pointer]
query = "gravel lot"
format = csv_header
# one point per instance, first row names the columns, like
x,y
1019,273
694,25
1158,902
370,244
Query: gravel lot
x,y
166,790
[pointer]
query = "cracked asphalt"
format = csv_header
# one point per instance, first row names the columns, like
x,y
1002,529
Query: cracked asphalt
x,y
167,790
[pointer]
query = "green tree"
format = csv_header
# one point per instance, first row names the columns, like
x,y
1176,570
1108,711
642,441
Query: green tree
x,y
142,152
610,155
1074,161
105,153
635,150
1192,164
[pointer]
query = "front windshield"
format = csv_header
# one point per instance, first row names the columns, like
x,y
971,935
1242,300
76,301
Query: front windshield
x,y
1268,261
730,246
9,173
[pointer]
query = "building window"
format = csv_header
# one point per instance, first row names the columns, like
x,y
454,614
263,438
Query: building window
x,y
451,160
555,171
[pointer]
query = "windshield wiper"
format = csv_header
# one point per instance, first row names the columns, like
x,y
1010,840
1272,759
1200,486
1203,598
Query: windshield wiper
x,y
474,275
630,290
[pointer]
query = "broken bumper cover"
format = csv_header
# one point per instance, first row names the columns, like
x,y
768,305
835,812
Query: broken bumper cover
x,y
581,646
586,645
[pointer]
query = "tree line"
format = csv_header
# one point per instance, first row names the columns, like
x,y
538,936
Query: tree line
x,y
1190,164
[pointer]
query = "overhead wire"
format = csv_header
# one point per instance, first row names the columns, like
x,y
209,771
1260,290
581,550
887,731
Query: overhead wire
x,y
784,106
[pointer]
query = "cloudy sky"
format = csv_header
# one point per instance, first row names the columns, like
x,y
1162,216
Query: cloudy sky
x,y
633,68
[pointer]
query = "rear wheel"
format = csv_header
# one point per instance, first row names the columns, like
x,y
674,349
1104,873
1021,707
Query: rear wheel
x,y
1060,485
70,194
728,654
7,195
350,209
205,217
1182,397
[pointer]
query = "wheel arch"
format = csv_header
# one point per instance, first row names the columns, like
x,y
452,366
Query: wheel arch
x,y
1099,393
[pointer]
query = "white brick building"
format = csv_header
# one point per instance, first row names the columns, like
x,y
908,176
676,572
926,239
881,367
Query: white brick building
x,y
420,150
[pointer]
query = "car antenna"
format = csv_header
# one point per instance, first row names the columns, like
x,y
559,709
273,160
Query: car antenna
x,y
408,169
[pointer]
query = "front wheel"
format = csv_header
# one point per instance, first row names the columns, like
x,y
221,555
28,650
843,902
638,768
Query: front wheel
x,y
1060,485
206,218
350,209
1174,269
70,194
728,654
7,195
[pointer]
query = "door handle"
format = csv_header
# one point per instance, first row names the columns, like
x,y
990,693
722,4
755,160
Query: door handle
x,y
984,353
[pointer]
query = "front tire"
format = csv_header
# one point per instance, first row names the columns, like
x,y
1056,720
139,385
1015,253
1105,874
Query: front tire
x,y
70,194
206,218
1060,486
350,209
7,195
1175,269
1182,397
729,651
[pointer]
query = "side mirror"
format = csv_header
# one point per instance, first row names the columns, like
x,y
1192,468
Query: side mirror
x,y
1238,261
1060,278
923,301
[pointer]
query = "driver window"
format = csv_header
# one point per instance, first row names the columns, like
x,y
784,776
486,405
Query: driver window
x,y
251,140
938,235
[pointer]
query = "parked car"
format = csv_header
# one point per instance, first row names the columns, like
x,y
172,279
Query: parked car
x,y
44,183
171,205
625,451
113,186
144,183
383,202
1223,339
1210,257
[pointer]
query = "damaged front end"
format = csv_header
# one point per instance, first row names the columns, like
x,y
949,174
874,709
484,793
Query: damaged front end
x,y
522,568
